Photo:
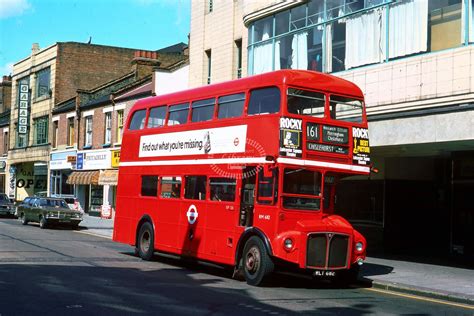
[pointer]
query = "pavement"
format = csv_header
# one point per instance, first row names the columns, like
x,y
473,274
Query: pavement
x,y
426,280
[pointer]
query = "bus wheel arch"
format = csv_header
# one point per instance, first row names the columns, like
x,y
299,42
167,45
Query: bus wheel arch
x,y
145,238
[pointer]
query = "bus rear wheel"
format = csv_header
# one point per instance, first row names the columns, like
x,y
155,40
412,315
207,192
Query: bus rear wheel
x,y
145,242
256,262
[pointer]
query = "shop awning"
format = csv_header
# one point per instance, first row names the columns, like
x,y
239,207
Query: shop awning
x,y
108,177
84,177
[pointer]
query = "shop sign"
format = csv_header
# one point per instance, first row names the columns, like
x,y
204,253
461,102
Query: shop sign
x,y
115,158
23,108
93,160
62,160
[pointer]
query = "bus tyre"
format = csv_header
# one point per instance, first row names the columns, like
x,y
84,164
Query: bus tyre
x,y
43,222
257,264
145,242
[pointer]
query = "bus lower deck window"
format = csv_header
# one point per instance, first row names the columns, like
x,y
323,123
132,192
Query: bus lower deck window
x,y
195,187
149,185
170,187
222,189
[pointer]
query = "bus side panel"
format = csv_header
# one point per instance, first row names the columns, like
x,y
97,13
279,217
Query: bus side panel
x,y
124,222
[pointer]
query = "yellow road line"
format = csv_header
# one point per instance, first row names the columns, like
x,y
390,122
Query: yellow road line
x,y
421,298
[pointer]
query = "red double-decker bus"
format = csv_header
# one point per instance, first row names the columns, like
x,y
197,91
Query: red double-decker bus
x,y
243,173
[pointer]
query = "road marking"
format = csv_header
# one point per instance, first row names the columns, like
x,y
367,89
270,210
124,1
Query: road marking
x,y
92,234
421,298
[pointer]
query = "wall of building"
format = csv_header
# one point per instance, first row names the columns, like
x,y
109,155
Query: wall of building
x,y
168,82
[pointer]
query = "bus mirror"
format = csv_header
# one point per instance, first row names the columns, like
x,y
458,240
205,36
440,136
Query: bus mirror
x,y
374,170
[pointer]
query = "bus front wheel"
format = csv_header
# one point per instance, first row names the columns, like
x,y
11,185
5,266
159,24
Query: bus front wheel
x,y
145,242
256,262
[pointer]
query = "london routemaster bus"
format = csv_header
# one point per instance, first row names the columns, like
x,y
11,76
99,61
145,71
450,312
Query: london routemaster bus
x,y
244,174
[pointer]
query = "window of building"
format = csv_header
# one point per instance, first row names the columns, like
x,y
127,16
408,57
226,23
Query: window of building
x,y
195,187
238,57
209,65
264,101
157,117
119,126
41,130
202,110
88,132
149,186
445,22
305,102
222,189
5,143
55,134
231,105
138,120
108,128
70,131
178,114
210,5
170,187
43,82
21,140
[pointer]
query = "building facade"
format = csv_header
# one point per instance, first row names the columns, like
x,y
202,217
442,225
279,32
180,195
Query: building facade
x,y
5,103
46,78
414,60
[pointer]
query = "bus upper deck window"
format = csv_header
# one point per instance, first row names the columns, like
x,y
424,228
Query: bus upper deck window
x,y
178,114
231,105
203,110
304,102
138,120
264,101
157,117
345,109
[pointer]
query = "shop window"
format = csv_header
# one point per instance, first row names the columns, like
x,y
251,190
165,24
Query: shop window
x,y
138,120
222,189
157,117
41,130
231,105
149,186
43,83
202,110
195,188
170,187
178,114
264,101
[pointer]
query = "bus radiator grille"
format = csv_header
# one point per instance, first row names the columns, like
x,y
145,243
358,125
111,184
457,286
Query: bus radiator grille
x,y
327,251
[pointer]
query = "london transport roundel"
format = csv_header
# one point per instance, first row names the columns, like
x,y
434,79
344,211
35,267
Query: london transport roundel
x,y
192,214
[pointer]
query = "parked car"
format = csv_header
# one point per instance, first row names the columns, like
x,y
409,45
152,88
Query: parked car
x,y
47,212
6,205
73,203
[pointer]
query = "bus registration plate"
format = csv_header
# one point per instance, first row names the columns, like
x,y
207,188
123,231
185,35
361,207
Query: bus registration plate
x,y
324,274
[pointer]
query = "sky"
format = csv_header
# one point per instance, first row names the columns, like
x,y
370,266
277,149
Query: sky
x,y
140,24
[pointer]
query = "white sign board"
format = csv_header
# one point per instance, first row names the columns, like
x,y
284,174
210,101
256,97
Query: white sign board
x,y
220,140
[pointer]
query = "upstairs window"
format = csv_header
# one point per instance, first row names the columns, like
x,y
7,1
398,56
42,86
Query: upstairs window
x,y
70,131
55,134
264,101
119,126
178,114
306,102
88,132
43,83
138,120
231,105
203,110
41,130
157,117
108,128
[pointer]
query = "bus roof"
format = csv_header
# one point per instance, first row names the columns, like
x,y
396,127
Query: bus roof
x,y
321,81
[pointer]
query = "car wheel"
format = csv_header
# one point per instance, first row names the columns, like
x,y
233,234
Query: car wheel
x,y
257,264
23,219
43,222
145,242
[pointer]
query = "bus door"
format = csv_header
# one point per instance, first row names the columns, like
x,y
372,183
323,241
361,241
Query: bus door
x,y
167,223
193,215
266,197
247,196
221,218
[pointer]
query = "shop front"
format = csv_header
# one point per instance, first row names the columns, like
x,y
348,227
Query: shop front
x,y
28,179
95,180
61,165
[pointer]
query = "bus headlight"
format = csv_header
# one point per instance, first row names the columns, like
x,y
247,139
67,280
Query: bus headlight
x,y
359,246
288,244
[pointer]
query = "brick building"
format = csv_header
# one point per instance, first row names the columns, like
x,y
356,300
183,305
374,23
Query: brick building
x,y
413,59
41,81
5,103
